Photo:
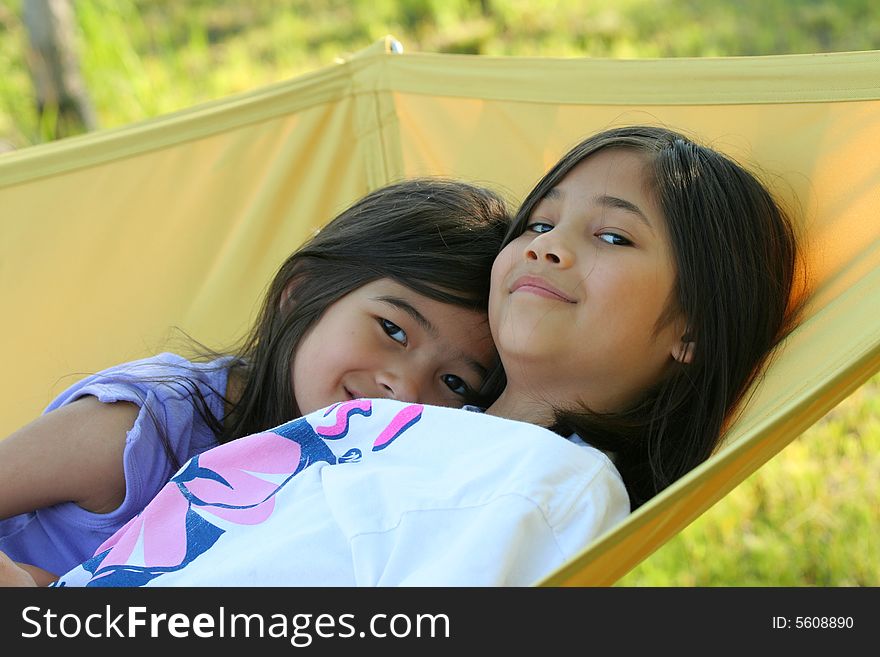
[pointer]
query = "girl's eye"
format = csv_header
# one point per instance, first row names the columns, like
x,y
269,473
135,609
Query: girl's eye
x,y
539,227
456,384
393,330
614,238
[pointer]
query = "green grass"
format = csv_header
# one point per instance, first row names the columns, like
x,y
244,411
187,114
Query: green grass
x,y
809,517
141,58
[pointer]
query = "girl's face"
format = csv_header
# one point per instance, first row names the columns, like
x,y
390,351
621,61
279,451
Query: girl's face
x,y
385,340
576,299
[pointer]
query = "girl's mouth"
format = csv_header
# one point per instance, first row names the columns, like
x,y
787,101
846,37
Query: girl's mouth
x,y
540,287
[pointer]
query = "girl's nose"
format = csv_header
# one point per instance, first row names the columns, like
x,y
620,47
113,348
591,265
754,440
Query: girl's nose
x,y
402,386
550,250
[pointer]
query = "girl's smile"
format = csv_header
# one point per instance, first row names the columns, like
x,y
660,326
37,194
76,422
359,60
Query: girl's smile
x,y
540,287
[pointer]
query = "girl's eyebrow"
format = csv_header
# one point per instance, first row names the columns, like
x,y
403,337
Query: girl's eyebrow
x,y
623,204
412,311
556,194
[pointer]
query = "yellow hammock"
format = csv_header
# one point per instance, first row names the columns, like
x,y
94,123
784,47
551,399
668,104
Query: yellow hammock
x,y
111,238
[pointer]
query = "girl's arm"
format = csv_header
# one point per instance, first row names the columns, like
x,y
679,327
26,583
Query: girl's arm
x,y
15,574
73,453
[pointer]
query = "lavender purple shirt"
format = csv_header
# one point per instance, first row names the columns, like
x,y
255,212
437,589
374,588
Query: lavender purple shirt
x,y
59,537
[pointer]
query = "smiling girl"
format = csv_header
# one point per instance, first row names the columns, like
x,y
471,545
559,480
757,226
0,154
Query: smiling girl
x,y
583,299
679,269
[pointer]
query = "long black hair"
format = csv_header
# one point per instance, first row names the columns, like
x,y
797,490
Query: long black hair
x,y
736,259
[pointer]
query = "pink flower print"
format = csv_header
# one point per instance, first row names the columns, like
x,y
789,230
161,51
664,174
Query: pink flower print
x,y
235,490
225,481
159,530
401,422
236,482
343,412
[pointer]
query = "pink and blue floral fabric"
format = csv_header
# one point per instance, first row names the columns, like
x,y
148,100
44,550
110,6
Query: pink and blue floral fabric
x,y
234,483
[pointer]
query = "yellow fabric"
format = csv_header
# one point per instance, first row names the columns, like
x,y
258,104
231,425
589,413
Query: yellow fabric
x,y
112,238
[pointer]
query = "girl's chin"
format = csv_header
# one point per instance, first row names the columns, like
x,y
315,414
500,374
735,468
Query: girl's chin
x,y
519,355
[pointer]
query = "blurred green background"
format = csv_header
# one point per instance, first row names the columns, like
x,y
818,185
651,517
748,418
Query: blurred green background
x,y
811,516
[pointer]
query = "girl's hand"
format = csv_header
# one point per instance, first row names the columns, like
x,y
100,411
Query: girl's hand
x,y
12,574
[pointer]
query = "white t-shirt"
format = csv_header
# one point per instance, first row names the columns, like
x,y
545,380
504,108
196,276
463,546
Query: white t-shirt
x,y
370,493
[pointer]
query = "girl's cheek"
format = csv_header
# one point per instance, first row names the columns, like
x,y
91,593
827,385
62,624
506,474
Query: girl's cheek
x,y
495,281
504,261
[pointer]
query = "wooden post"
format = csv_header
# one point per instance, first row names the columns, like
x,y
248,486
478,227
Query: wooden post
x,y
55,69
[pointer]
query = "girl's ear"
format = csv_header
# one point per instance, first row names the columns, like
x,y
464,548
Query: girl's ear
x,y
683,350
287,295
